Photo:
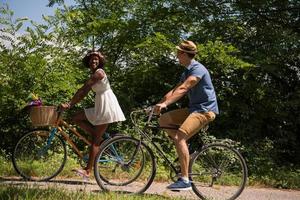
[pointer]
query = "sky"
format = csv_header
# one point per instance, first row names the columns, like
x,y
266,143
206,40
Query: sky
x,y
33,9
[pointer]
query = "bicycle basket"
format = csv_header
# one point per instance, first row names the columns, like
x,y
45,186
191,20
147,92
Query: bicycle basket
x,y
43,115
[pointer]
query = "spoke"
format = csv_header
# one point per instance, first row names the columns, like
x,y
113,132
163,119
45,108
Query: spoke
x,y
111,157
210,159
224,164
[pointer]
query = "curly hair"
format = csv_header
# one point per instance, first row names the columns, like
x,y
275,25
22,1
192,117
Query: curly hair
x,y
87,57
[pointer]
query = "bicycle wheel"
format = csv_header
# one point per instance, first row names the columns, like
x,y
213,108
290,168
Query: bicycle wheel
x,y
102,145
218,172
37,158
125,165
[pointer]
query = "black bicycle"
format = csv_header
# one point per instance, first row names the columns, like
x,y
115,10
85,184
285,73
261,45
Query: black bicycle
x,y
217,170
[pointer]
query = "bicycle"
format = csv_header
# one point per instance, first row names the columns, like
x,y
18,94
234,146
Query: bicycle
x,y
41,154
213,166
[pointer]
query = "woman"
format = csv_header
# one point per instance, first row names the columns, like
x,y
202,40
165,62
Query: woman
x,y
105,111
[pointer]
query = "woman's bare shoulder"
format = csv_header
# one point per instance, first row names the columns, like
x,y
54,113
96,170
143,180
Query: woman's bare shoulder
x,y
99,74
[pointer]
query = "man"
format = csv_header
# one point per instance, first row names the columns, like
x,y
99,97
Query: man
x,y
196,83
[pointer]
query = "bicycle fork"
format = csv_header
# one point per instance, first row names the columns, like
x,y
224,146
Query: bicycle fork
x,y
44,149
134,155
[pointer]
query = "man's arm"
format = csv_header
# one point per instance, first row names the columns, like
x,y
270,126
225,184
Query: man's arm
x,y
169,93
178,92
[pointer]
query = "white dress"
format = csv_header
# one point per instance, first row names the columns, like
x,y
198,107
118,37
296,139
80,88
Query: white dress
x,y
107,109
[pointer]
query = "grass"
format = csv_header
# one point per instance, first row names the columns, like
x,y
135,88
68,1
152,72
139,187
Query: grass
x,y
281,178
32,193
6,169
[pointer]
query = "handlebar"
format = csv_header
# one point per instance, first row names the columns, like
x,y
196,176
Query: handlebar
x,y
149,111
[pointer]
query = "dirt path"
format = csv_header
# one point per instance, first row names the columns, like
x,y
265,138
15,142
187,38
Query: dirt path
x,y
250,193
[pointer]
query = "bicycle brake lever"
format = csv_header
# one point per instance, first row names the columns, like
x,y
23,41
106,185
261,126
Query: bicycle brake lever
x,y
148,109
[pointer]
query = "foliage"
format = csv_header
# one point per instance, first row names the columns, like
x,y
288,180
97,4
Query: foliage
x,y
32,62
251,49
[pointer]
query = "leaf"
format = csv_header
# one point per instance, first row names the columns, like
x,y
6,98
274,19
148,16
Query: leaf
x,y
22,19
19,25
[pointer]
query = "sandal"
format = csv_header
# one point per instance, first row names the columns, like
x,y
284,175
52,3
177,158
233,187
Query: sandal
x,y
82,173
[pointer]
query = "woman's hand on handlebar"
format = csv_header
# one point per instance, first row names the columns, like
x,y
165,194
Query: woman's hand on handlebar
x,y
64,106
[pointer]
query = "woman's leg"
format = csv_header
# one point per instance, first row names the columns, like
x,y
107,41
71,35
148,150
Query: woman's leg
x,y
95,131
95,147
80,119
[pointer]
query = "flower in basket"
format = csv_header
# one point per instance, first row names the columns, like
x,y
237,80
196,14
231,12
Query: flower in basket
x,y
34,100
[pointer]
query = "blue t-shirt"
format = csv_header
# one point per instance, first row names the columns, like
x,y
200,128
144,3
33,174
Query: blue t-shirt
x,y
202,97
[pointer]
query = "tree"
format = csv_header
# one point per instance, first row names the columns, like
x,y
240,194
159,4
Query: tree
x,y
35,61
258,102
250,47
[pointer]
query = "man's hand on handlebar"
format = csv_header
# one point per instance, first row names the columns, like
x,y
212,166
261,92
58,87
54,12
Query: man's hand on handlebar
x,y
159,107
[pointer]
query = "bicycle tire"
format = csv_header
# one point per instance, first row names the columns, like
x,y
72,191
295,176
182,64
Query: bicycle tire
x,y
218,172
102,145
125,166
34,160
137,174
102,159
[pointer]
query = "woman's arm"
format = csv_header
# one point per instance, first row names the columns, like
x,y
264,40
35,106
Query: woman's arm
x,y
84,90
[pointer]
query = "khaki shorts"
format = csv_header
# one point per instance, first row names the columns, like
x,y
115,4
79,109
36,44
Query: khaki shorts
x,y
189,123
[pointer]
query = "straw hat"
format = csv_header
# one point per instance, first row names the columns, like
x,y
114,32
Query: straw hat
x,y
87,57
187,47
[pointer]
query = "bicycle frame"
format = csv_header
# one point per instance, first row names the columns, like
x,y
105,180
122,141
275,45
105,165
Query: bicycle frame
x,y
60,124
59,127
64,124
144,134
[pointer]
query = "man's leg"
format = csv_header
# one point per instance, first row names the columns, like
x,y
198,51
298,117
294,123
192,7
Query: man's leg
x,y
177,117
183,182
190,125
193,123
183,152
